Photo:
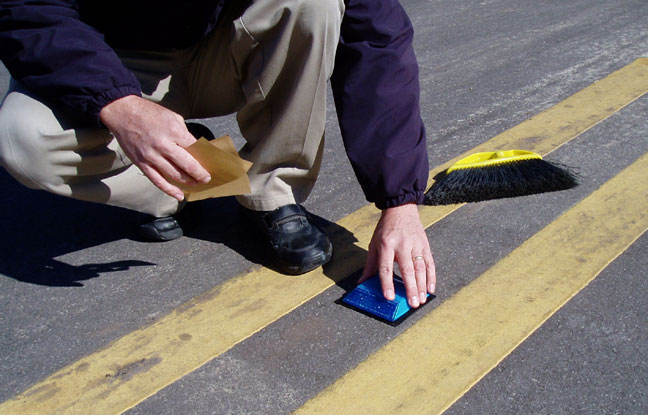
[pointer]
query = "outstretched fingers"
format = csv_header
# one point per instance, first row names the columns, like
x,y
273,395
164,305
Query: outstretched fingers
x,y
386,272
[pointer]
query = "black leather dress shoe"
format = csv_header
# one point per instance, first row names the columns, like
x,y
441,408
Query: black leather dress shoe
x,y
159,229
297,245
168,228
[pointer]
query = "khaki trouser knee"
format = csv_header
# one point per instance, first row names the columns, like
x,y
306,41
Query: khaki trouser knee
x,y
284,53
85,164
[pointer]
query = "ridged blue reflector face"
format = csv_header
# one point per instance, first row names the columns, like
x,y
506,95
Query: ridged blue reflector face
x,y
368,297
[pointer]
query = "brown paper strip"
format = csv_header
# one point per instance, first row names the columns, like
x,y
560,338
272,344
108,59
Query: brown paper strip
x,y
228,171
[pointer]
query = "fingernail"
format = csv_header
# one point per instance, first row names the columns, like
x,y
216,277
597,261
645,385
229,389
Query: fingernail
x,y
423,297
179,196
432,287
414,301
389,294
206,179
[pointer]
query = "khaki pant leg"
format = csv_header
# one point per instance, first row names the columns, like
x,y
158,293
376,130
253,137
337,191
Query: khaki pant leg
x,y
280,57
45,151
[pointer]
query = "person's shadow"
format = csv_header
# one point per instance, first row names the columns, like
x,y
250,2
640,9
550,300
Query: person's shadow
x,y
38,227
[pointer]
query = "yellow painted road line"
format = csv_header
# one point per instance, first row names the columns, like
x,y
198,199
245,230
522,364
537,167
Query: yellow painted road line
x,y
568,119
434,362
141,363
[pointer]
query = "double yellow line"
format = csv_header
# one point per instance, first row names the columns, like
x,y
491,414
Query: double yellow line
x,y
446,352
141,363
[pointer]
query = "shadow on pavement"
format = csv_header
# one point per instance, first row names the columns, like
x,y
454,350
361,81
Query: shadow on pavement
x,y
37,227
222,222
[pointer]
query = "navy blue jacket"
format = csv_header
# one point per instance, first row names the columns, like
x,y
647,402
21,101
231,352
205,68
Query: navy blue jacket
x,y
62,50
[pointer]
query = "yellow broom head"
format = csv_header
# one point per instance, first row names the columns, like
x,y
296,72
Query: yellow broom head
x,y
492,158
498,174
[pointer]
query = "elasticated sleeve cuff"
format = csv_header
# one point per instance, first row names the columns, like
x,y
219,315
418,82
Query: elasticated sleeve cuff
x,y
96,104
402,199
49,50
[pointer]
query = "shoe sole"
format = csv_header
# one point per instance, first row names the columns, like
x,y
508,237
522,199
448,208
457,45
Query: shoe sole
x,y
149,236
309,265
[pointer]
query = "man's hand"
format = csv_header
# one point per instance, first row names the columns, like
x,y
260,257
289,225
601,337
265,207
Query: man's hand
x,y
154,139
400,237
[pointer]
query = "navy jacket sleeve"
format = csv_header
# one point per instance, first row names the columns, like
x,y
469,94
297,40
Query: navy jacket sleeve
x,y
48,49
376,90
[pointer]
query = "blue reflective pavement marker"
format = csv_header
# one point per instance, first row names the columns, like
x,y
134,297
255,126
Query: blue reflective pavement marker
x,y
368,298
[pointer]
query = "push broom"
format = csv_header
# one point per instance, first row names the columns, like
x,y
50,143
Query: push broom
x,y
498,174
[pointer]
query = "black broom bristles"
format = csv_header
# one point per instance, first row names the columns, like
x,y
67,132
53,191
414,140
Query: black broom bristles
x,y
506,179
